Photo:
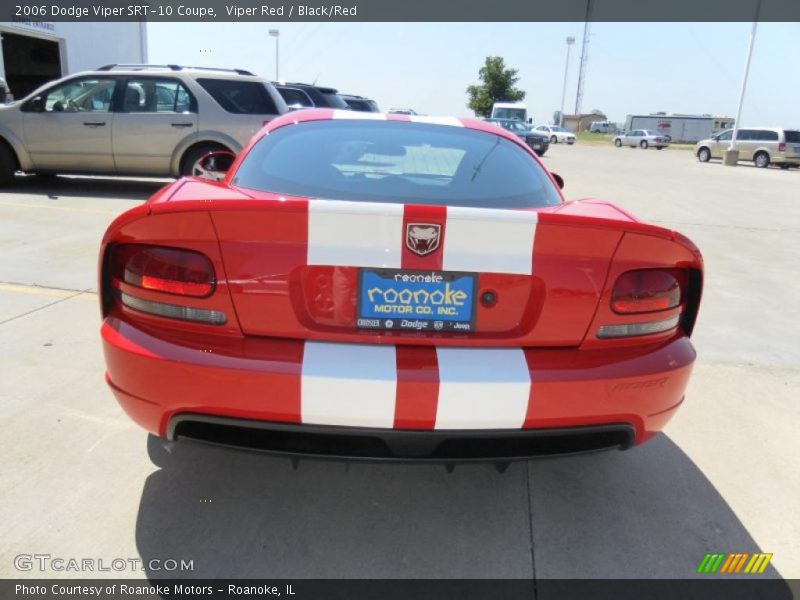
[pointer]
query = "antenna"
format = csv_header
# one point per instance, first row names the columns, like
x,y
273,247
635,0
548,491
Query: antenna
x,y
584,57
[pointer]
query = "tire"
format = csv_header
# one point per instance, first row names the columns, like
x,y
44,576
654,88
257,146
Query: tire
x,y
761,160
704,154
195,154
618,143
644,145
540,152
8,165
553,139
785,166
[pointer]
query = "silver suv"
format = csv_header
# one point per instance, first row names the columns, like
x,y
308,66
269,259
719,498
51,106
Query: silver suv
x,y
762,145
134,120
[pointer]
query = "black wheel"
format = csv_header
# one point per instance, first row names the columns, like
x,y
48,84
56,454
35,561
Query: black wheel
x,y
762,160
659,147
704,154
618,143
553,139
785,166
8,164
540,152
189,163
644,144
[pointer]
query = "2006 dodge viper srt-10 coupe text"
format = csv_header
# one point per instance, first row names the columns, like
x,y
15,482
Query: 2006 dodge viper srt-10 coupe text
x,y
396,287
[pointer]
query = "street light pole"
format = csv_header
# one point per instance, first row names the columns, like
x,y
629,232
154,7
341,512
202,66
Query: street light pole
x,y
731,156
570,41
276,33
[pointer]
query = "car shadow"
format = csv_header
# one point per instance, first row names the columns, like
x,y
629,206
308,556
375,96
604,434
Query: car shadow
x,y
246,515
112,188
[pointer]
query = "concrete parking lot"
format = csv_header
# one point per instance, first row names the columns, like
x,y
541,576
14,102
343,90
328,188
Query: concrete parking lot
x,y
80,480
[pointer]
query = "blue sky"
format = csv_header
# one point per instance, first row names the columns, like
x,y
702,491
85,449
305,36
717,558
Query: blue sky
x,y
691,68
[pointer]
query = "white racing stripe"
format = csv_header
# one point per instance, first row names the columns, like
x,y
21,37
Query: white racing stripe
x,y
357,114
355,234
348,384
452,121
482,388
489,240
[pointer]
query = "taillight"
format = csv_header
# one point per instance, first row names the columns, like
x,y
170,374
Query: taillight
x,y
782,147
648,290
162,269
172,271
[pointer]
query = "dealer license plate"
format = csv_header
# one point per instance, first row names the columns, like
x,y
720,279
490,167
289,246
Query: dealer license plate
x,y
416,300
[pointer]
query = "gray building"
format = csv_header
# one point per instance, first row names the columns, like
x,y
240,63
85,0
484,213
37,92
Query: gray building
x,y
680,128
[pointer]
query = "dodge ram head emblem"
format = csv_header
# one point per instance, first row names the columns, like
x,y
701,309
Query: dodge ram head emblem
x,y
423,238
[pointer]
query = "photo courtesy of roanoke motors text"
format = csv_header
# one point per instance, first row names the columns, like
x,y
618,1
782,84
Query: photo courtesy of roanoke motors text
x,y
367,299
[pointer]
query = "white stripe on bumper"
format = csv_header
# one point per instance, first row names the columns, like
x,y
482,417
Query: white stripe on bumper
x,y
348,384
482,388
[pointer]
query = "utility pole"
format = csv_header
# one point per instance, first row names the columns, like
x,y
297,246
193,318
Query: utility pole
x,y
276,33
570,41
584,57
731,155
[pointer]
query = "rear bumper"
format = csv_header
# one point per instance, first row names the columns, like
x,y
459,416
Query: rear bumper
x,y
394,444
264,384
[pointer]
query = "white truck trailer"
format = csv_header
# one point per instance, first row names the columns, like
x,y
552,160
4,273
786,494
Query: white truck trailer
x,y
680,128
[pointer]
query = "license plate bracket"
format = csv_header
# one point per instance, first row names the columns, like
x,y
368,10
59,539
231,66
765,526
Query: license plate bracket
x,y
400,299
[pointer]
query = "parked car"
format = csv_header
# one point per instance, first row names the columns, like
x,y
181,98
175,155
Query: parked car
x,y
762,145
538,141
599,127
643,138
360,103
556,134
306,95
134,120
395,290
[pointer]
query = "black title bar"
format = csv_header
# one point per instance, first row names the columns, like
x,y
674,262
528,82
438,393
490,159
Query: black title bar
x,y
402,10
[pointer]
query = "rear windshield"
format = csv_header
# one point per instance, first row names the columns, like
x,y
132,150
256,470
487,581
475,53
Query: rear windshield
x,y
384,161
792,137
240,97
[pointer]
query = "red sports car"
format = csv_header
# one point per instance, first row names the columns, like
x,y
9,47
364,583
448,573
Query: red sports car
x,y
395,286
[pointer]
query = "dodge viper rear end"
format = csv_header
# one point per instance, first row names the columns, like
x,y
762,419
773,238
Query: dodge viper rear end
x,y
395,287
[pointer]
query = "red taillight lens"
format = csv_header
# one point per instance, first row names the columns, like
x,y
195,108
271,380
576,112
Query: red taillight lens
x,y
782,147
162,269
648,290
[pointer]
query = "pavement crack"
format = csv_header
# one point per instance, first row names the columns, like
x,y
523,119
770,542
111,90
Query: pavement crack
x,y
530,525
43,287
48,305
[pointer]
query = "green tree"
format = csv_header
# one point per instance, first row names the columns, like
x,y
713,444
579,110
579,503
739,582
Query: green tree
x,y
497,85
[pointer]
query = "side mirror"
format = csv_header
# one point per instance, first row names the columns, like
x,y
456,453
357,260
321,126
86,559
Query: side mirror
x,y
559,180
35,104
214,165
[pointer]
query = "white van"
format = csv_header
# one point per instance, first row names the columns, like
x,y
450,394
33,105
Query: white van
x,y
511,110
599,127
